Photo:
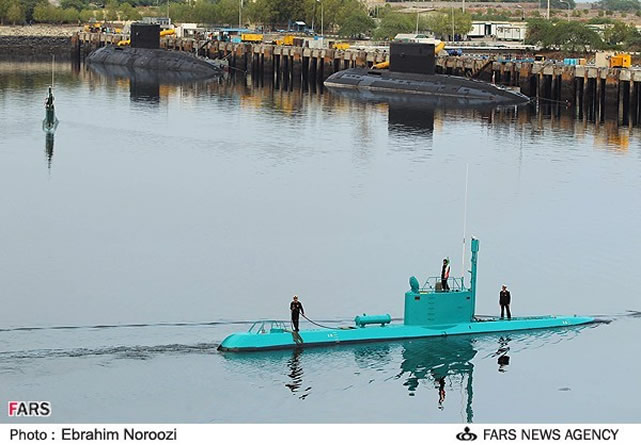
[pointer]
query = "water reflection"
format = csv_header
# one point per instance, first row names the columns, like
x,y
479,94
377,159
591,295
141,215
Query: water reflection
x,y
440,361
417,114
296,374
438,371
503,359
145,85
49,148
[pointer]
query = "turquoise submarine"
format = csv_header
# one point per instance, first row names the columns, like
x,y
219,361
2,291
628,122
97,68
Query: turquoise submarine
x,y
429,312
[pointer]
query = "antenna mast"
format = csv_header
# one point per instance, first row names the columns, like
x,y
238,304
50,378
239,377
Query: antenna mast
x,y
467,171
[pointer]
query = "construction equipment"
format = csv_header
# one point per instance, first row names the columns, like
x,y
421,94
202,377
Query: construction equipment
x,y
286,40
620,60
92,27
341,46
251,37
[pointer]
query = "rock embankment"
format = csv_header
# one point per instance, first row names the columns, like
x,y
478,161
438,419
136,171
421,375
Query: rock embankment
x,y
38,31
36,41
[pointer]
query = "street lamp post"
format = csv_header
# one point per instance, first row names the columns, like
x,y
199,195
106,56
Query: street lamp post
x,y
322,22
561,1
240,13
548,15
522,13
453,39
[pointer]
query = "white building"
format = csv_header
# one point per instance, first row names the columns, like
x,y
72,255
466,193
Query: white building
x,y
514,31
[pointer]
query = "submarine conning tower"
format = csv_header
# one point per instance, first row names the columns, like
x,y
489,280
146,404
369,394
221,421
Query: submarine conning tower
x,y
429,305
417,58
145,35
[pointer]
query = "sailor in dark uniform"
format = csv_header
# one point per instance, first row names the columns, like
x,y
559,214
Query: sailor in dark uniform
x,y
297,308
504,301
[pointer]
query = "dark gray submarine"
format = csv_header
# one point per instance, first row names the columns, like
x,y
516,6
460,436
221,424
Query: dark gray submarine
x,y
145,53
412,72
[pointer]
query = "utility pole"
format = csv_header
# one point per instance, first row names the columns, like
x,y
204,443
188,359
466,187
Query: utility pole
x,y
453,23
240,13
548,14
322,22
417,14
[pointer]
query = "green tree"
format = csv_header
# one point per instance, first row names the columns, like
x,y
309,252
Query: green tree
x,y
70,15
110,12
394,23
15,14
540,32
260,11
227,11
4,7
620,5
617,32
76,4
568,36
356,24
87,14
444,22
633,41
205,12
128,12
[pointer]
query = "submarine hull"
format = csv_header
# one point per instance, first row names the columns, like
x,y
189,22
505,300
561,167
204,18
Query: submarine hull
x,y
279,339
154,59
416,84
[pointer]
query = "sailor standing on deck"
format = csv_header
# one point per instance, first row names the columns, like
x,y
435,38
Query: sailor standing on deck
x,y
504,301
445,274
296,308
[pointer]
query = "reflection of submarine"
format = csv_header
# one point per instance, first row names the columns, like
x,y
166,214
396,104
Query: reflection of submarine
x,y
417,112
145,84
412,73
49,148
440,359
145,53
430,311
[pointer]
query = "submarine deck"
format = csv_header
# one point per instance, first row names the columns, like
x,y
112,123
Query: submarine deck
x,y
279,338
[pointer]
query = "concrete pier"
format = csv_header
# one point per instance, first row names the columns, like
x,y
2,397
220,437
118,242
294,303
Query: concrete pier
x,y
585,89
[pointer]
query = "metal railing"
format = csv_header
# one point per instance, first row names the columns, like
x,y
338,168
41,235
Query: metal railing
x,y
266,326
433,284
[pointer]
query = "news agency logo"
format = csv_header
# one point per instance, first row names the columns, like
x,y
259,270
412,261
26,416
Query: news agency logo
x,y
466,435
20,408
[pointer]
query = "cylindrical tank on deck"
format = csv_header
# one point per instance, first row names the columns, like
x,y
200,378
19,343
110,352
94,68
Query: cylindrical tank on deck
x,y
362,320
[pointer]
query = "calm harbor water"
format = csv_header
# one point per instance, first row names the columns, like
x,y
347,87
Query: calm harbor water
x,y
165,215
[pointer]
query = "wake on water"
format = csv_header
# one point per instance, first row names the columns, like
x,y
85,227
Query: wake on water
x,y
144,352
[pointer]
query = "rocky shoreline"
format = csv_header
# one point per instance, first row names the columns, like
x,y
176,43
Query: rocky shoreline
x,y
36,42
39,30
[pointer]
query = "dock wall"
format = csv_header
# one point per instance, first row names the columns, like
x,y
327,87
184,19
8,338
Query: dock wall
x,y
24,47
586,89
